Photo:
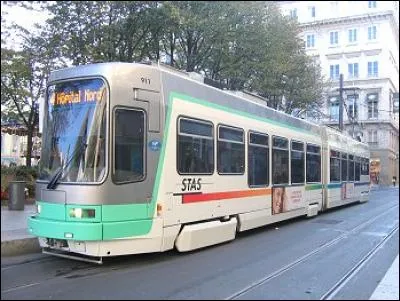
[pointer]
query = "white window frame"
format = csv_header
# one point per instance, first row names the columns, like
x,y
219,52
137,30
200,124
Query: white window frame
x,y
312,11
351,74
352,35
373,71
310,41
334,74
371,4
334,38
372,33
293,13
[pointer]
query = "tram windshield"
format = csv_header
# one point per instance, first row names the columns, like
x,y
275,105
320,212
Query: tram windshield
x,y
74,132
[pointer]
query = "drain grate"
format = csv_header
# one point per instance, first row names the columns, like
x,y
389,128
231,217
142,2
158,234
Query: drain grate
x,y
327,221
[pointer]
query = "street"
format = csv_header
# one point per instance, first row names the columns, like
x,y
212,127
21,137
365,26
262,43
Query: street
x,y
340,254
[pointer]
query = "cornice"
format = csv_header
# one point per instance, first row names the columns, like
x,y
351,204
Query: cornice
x,y
351,19
360,81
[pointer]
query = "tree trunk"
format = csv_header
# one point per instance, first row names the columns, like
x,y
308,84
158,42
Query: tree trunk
x,y
29,148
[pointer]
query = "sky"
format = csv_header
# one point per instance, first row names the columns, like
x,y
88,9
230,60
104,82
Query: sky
x,y
23,17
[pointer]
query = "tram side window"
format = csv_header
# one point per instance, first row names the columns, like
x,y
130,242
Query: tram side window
x,y
258,159
313,163
344,168
230,150
129,146
335,166
195,147
280,160
357,167
364,167
351,168
297,162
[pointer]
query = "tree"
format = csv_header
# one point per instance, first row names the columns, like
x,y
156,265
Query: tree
x,y
244,45
286,76
23,81
103,31
191,32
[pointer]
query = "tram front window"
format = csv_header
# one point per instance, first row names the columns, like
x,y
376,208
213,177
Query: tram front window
x,y
74,132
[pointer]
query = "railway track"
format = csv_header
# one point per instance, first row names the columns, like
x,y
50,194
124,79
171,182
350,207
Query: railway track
x,y
342,281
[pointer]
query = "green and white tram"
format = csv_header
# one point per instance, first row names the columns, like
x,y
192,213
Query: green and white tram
x,y
141,158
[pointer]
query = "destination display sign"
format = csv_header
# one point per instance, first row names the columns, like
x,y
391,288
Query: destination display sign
x,y
60,98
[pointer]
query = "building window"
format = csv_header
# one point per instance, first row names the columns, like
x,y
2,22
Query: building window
x,y
310,41
230,150
334,71
373,136
372,100
280,160
371,4
258,159
313,160
334,107
352,35
293,13
334,37
352,106
372,33
297,162
373,69
353,70
195,147
312,11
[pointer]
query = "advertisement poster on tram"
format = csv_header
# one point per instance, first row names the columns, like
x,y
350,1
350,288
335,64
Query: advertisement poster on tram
x,y
287,198
347,190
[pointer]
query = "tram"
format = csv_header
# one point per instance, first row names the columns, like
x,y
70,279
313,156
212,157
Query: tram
x,y
140,158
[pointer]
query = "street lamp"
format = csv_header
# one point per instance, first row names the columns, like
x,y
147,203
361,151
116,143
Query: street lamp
x,y
341,90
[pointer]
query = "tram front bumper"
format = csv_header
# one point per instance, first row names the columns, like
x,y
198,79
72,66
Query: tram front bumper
x,y
84,231
65,230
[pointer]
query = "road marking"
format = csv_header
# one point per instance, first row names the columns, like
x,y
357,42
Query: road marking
x,y
19,287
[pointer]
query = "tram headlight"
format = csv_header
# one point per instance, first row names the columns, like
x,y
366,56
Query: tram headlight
x,y
82,213
76,212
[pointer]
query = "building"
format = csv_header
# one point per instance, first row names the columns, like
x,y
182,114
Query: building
x,y
14,146
359,39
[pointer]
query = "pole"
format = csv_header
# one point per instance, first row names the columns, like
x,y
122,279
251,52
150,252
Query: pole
x,y
341,102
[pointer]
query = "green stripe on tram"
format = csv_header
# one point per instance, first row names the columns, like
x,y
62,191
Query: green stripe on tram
x,y
109,222
333,185
313,187
237,112
160,166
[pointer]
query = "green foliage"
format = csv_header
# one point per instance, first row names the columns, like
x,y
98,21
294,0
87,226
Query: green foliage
x,y
19,173
242,44
24,74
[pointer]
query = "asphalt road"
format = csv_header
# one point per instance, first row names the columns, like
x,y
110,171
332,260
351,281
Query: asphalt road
x,y
340,254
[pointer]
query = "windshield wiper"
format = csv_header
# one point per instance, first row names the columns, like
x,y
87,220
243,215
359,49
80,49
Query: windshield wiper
x,y
57,175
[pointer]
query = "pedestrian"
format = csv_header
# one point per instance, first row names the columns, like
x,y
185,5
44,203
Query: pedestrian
x,y
394,180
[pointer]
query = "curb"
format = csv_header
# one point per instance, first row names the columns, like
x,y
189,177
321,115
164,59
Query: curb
x,y
20,246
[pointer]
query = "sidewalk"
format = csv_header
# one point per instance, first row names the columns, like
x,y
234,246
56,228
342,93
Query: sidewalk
x,y
388,288
15,238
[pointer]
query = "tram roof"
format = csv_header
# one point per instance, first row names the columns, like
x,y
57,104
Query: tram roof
x,y
241,97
